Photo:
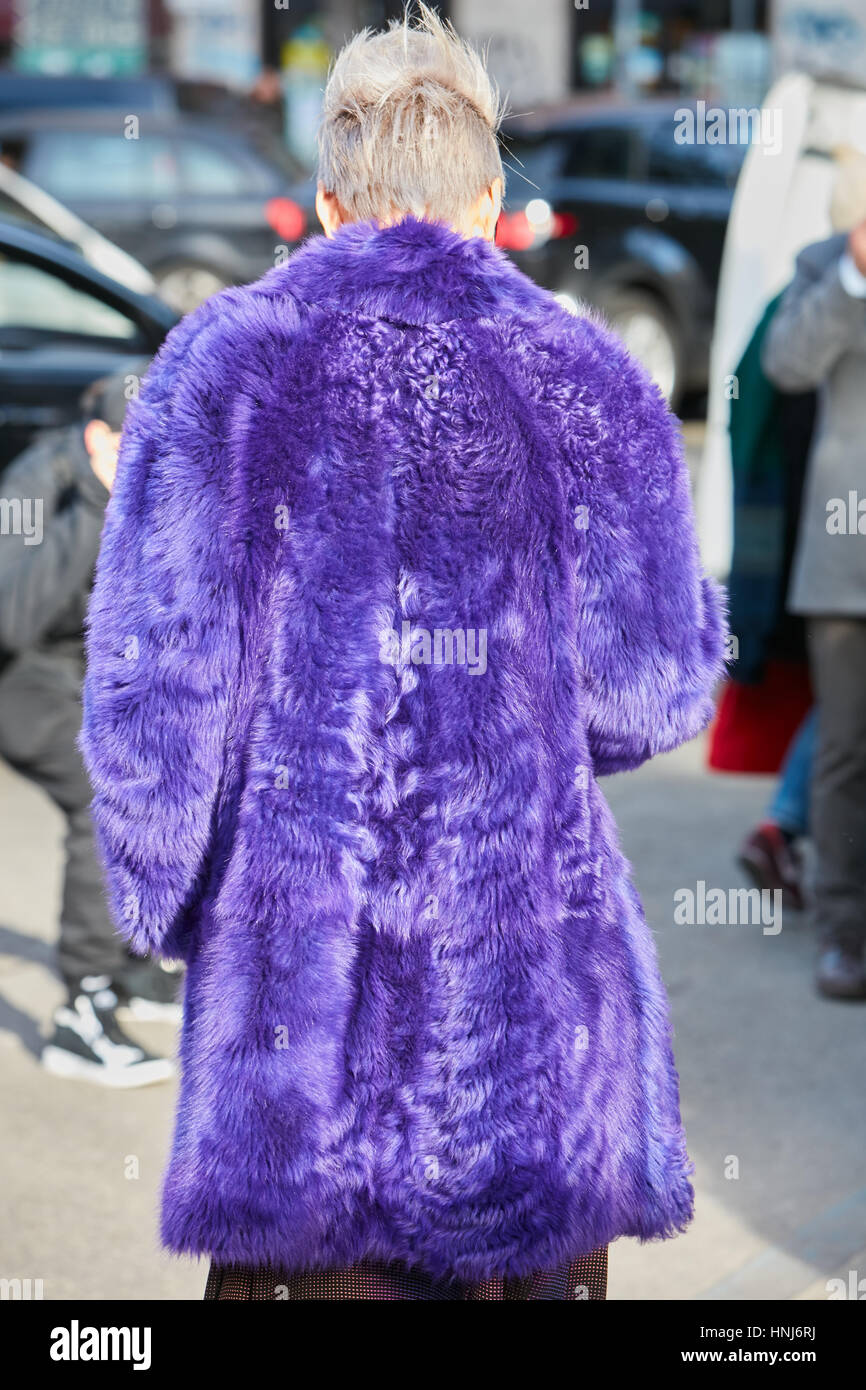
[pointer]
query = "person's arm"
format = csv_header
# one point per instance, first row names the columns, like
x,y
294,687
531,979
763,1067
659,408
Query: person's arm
x,y
651,625
163,641
817,321
40,572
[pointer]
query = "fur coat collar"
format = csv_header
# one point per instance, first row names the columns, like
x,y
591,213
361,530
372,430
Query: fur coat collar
x,y
412,273
423,1017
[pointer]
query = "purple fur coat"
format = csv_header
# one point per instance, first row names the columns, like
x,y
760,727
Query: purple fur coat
x,y
400,558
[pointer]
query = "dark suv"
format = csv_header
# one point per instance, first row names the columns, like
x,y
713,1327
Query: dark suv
x,y
605,207
199,203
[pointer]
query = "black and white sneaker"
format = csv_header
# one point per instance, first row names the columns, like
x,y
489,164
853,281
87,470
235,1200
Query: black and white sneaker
x,y
148,992
88,1043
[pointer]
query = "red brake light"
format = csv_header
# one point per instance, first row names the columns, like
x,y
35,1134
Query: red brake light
x,y
514,231
286,218
564,224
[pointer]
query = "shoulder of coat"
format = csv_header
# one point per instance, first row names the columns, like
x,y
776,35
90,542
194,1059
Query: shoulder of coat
x,y
819,254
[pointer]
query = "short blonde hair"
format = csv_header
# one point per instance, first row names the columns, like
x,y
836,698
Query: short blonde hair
x,y
409,123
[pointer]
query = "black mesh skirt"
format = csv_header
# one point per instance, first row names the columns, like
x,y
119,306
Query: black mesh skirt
x,y
584,1278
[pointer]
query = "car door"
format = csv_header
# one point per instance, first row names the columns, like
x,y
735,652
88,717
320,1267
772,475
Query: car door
x,y
599,185
59,331
690,188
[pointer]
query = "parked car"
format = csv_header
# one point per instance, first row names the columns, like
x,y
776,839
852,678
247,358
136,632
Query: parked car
x,y
30,91
63,324
200,204
604,207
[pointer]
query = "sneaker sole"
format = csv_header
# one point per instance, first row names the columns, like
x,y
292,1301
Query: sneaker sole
x,y
59,1062
855,995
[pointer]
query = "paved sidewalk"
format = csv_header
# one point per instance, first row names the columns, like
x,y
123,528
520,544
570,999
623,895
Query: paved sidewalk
x,y
772,1080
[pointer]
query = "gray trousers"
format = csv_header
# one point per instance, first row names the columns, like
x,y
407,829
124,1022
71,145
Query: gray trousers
x,y
40,716
837,655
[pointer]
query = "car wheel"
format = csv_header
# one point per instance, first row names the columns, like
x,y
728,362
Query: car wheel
x,y
186,285
649,334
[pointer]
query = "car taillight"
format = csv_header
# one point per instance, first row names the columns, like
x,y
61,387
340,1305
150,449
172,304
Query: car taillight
x,y
533,225
564,224
514,231
287,218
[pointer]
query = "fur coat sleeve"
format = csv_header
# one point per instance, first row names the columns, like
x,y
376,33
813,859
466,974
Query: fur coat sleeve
x,y
163,645
650,622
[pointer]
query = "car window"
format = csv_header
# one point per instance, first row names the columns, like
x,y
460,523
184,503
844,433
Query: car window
x,y
672,163
531,164
206,170
76,164
601,152
33,299
275,154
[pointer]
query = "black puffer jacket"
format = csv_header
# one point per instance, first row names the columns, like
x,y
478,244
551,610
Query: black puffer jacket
x,y
46,575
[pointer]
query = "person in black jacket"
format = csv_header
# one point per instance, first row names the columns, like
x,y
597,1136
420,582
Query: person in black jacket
x,y
52,501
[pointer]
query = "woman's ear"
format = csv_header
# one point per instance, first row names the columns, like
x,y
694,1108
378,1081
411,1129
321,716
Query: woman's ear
x,y
486,212
328,210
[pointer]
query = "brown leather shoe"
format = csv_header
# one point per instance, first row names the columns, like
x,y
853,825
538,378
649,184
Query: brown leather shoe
x,y
840,973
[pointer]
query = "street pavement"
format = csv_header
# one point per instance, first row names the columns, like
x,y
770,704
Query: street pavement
x,y
772,1080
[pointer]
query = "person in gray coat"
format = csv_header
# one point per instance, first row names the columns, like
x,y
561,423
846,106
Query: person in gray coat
x,y
52,502
818,340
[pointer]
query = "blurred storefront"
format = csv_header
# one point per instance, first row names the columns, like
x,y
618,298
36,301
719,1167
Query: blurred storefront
x,y
99,38
7,17
528,46
708,48
717,49
216,40
695,47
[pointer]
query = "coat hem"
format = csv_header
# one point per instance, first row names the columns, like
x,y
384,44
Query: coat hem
x,y
660,1223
